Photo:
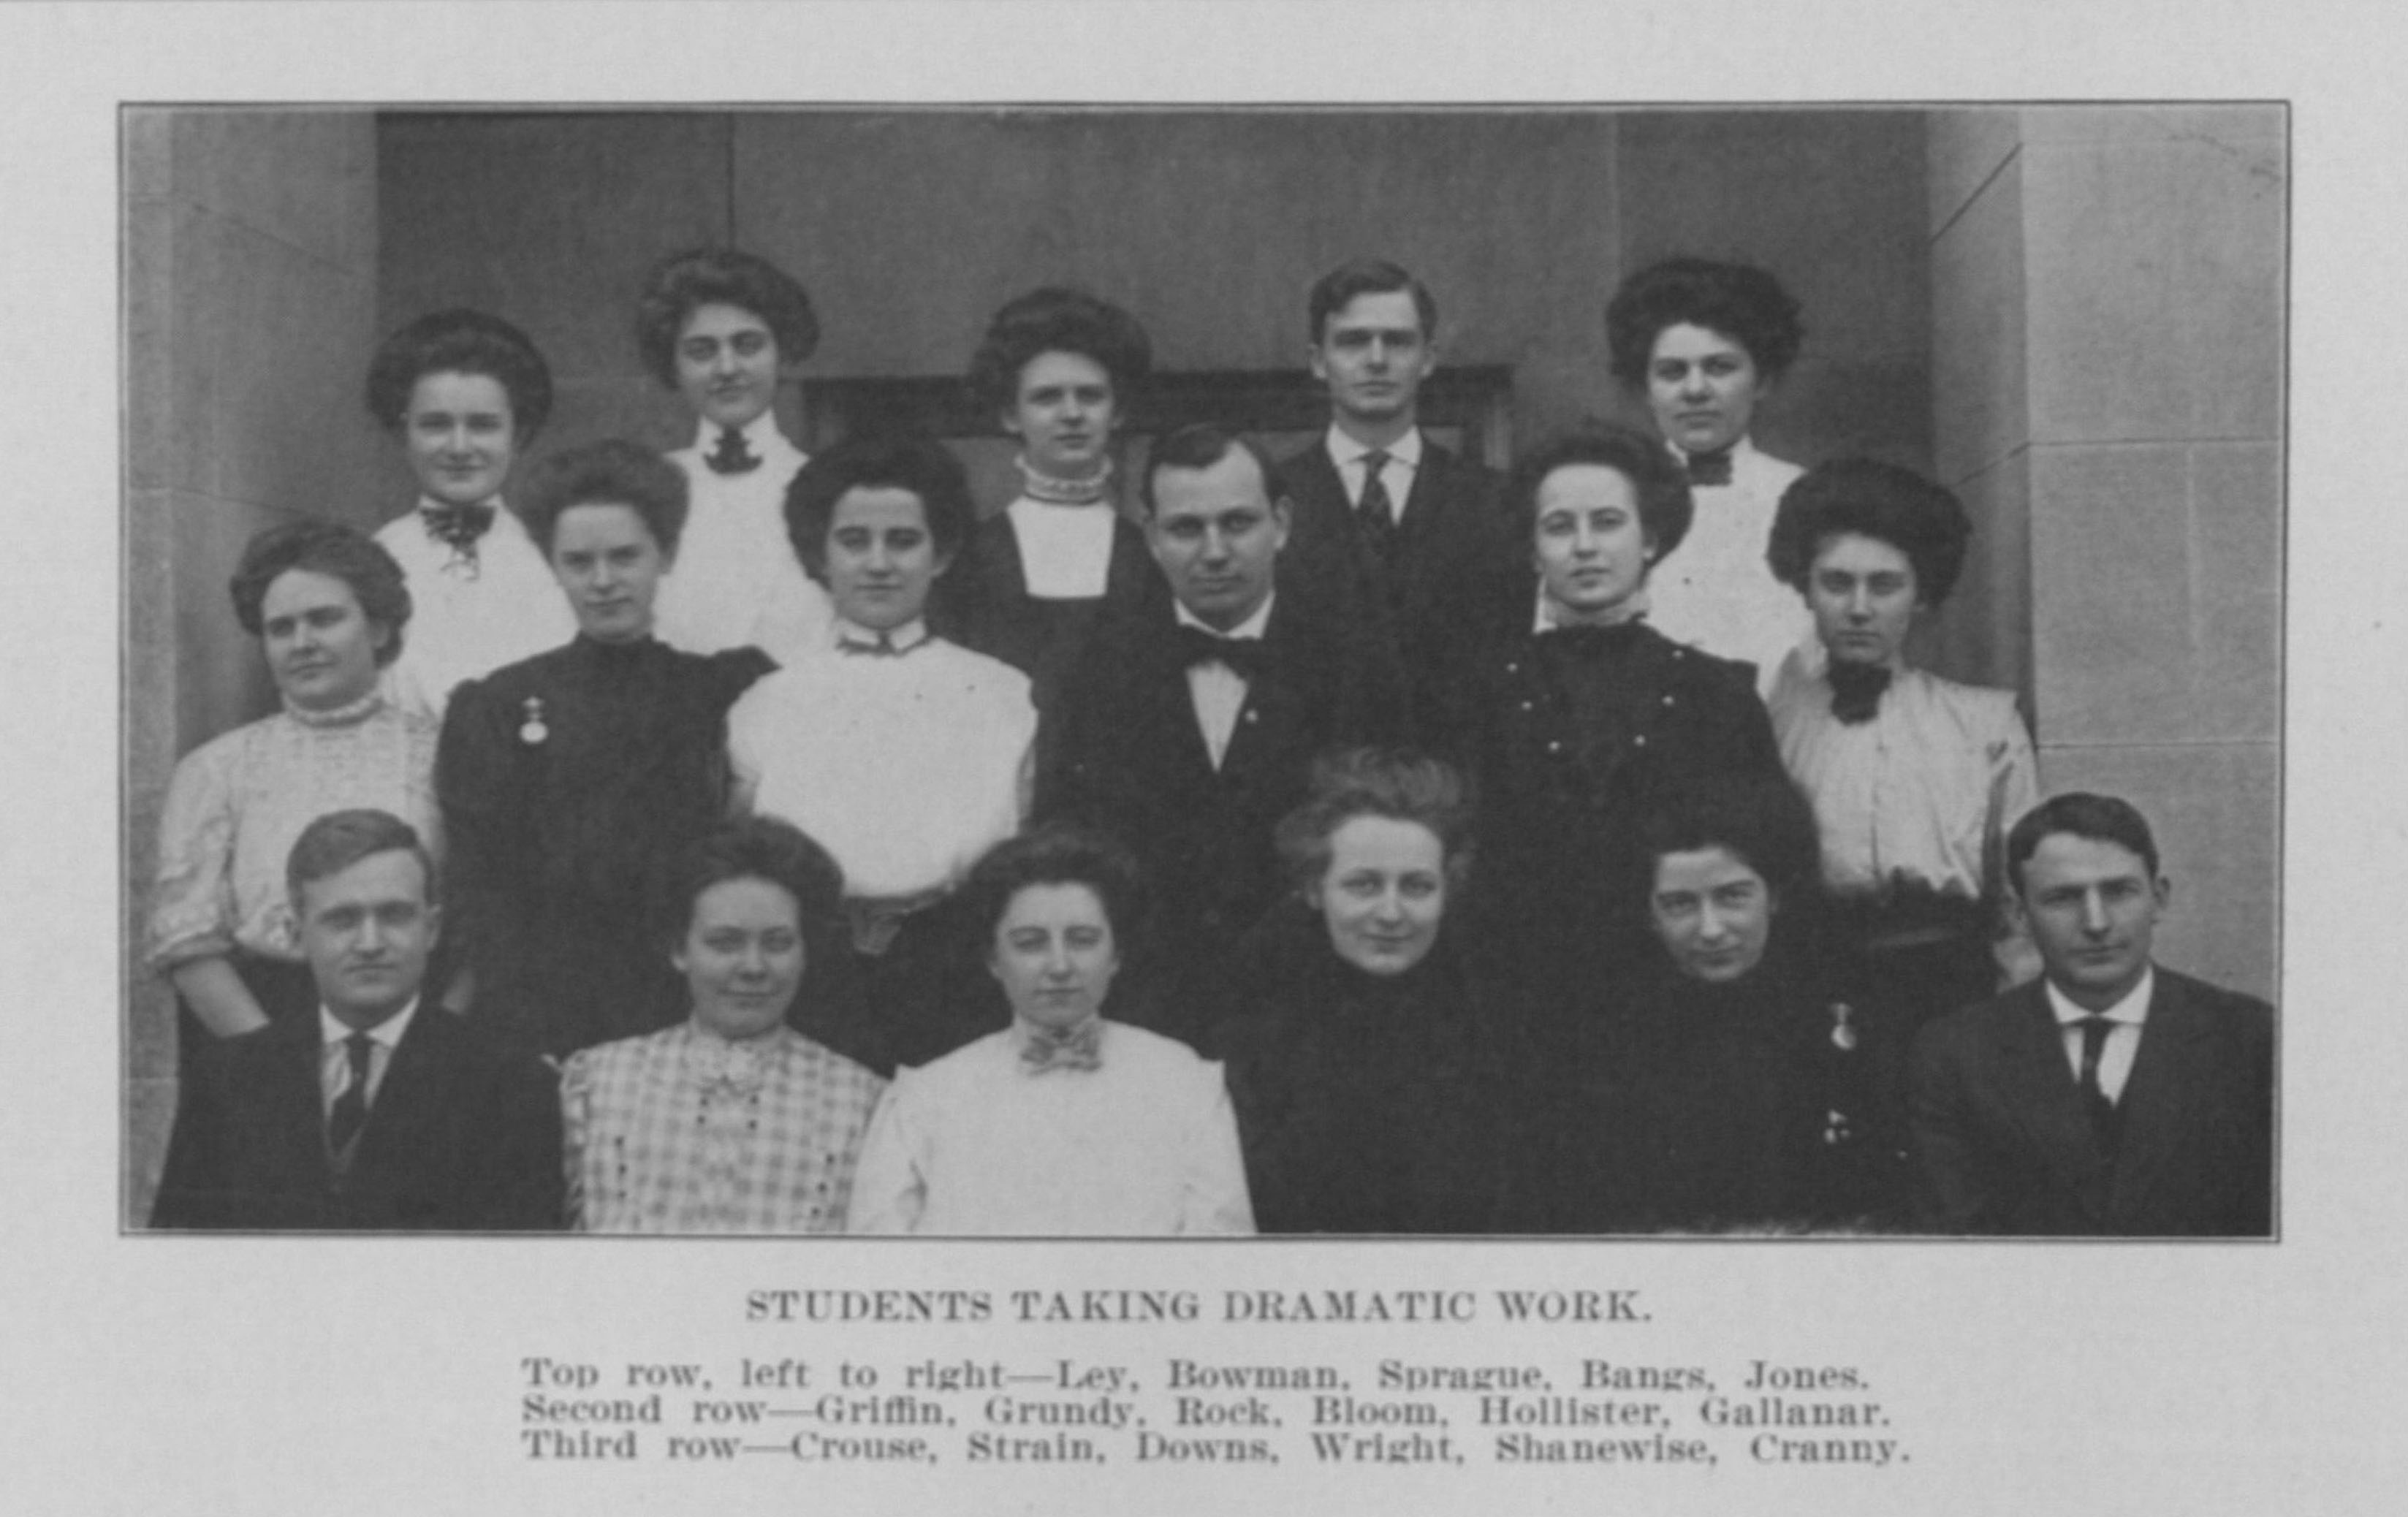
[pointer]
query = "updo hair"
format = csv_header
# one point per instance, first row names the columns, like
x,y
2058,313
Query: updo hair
x,y
1060,853
328,548
878,461
1870,499
1666,508
762,847
1057,320
684,282
1763,821
460,341
1401,784
612,472
1742,301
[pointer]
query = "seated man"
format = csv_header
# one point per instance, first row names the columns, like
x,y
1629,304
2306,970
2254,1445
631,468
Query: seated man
x,y
382,1112
1189,730
2112,1097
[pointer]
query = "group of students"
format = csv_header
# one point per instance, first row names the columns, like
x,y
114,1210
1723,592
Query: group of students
x,y
863,863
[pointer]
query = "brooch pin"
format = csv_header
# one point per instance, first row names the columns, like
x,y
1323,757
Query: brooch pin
x,y
532,731
1844,1027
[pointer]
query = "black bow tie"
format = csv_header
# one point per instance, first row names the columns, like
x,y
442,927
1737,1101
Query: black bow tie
x,y
458,525
733,455
1856,690
1584,642
1709,468
1244,656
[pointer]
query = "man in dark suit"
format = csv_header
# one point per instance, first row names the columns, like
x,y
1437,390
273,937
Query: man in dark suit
x,y
382,1112
1387,522
2113,1096
1189,730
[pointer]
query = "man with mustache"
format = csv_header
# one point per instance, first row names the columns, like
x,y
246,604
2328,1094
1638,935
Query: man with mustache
x,y
2113,1096
384,1111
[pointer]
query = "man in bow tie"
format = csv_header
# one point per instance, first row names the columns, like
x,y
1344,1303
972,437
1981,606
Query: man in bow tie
x,y
382,1112
2112,1097
1188,733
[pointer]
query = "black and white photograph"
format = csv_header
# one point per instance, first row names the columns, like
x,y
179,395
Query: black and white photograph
x,y
1444,793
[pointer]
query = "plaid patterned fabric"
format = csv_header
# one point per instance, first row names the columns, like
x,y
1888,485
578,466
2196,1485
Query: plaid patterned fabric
x,y
684,1132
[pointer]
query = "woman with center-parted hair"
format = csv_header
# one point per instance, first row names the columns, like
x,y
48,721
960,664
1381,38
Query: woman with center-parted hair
x,y
329,607
1376,1083
1567,722
573,777
464,394
1066,1122
730,1122
1060,369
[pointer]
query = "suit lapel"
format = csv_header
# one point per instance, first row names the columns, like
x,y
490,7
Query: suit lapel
x,y
408,1103
292,1107
2040,1090
1272,714
2167,1072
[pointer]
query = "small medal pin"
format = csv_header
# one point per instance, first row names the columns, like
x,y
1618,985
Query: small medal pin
x,y
532,732
1844,1027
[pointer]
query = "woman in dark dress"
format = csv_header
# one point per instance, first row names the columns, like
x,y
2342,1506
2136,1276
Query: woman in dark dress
x,y
570,778
1734,1094
1058,368
1374,1091
1568,722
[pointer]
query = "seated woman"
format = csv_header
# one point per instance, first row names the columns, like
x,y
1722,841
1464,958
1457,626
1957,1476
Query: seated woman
x,y
730,1122
328,608
907,755
725,329
1371,1083
463,392
1061,368
1567,723
571,778
1735,1098
1914,779
1704,344
1066,1122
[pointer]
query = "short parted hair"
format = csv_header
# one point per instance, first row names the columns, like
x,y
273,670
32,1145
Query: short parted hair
x,y
761,847
1742,301
683,282
878,461
1200,445
1870,499
612,472
460,341
1336,290
328,548
2103,819
1057,320
1666,507
339,840
1401,784
1763,821
1060,853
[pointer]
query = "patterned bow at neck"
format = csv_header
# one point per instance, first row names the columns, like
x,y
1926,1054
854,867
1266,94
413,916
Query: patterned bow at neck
x,y
458,527
1857,691
735,1068
1074,1048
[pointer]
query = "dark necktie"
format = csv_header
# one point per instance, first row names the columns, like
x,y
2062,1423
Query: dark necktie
x,y
1856,690
1077,1048
458,527
2094,1098
733,455
1243,655
350,1109
1709,468
1375,515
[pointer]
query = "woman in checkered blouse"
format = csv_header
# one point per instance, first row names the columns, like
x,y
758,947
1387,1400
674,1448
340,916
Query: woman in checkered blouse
x,y
731,1121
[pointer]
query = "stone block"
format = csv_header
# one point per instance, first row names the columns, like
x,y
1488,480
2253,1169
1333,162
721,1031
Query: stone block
x,y
1978,304
1963,151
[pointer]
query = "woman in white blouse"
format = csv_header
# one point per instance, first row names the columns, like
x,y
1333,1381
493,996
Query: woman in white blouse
x,y
1066,1123
905,755
464,394
1914,778
730,1122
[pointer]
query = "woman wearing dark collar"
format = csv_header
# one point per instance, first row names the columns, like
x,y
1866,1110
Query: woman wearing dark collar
x,y
1569,722
1373,1084
464,394
1060,369
1704,344
1914,778
571,778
